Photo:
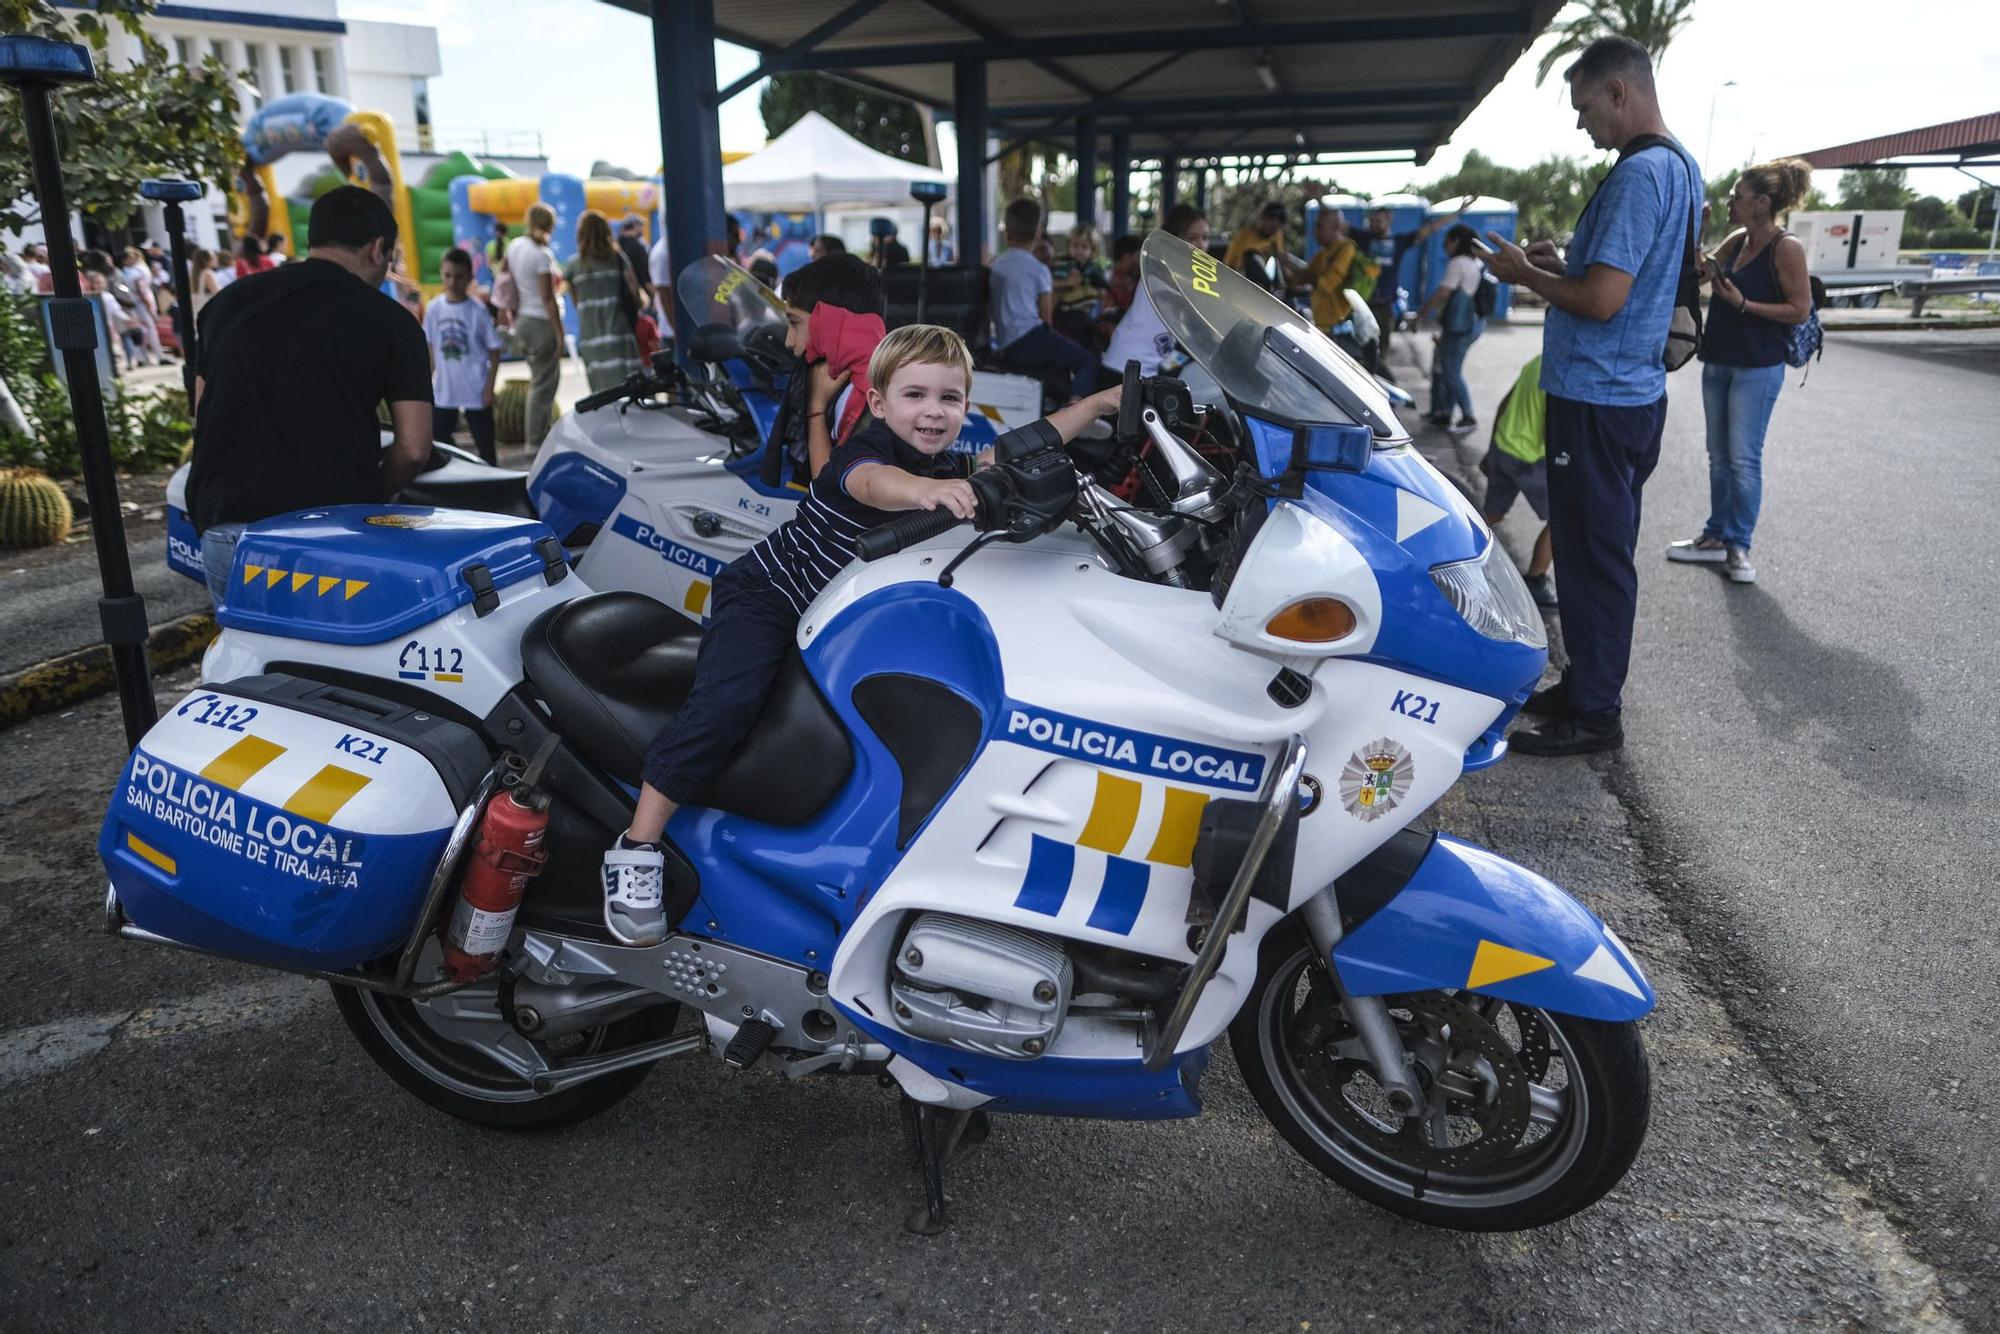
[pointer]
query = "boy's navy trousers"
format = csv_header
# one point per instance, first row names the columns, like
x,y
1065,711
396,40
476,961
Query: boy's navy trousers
x,y
1599,460
751,625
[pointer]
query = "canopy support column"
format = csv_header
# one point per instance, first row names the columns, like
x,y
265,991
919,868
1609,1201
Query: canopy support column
x,y
1170,185
690,140
1086,170
1121,182
968,93
1201,188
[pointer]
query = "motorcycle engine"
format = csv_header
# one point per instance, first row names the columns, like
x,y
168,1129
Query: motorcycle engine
x,y
982,987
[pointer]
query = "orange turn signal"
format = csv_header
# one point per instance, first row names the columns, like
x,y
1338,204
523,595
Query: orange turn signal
x,y
1313,621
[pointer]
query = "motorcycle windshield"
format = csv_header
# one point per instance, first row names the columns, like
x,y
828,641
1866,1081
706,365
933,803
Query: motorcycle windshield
x,y
718,291
1266,356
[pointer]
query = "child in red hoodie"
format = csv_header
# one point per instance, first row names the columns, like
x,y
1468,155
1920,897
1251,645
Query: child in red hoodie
x,y
833,310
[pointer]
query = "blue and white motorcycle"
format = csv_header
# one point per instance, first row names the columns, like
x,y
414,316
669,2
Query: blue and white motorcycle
x,y
656,484
1030,821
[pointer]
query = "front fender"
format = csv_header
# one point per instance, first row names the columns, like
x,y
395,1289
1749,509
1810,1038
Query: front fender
x,y
1469,918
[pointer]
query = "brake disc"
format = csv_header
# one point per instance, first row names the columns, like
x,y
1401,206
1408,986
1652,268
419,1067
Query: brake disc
x,y
1470,1075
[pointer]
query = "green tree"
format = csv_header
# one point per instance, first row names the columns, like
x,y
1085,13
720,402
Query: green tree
x,y
1977,206
1653,24
1550,193
155,118
1875,187
886,124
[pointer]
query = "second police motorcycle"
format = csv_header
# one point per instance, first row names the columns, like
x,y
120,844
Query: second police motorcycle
x,y
1030,821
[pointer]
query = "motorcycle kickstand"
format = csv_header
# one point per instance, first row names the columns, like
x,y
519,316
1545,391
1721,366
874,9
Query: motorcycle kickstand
x,y
937,1136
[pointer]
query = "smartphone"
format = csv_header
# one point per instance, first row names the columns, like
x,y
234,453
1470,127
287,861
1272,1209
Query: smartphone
x,y
1480,246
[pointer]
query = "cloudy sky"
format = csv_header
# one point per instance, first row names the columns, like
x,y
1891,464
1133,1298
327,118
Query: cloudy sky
x,y
1805,77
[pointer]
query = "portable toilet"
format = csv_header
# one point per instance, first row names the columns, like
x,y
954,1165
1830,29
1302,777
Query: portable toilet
x,y
1486,214
1351,205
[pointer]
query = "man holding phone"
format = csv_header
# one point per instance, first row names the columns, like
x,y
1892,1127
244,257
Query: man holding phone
x,y
1611,302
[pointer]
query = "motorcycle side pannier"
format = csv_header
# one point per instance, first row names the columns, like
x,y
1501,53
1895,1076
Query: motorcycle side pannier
x,y
287,822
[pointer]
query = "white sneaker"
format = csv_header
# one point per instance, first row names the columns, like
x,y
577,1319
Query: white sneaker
x,y
634,890
1738,567
1703,550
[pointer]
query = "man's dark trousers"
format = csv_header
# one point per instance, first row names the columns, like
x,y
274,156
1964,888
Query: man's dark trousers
x,y
1042,348
1599,460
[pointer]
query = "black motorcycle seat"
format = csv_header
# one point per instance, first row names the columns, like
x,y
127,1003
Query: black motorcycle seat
x,y
614,668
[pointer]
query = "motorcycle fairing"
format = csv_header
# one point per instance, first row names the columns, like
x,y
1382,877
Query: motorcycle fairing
x,y
1469,918
573,491
362,574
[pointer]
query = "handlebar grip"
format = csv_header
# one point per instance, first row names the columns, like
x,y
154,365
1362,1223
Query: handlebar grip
x,y
906,531
635,385
1131,404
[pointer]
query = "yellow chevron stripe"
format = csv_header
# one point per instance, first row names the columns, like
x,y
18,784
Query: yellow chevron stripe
x,y
355,586
325,793
1180,825
241,762
326,581
300,581
1112,814
271,577
250,573
152,854
697,596
1494,963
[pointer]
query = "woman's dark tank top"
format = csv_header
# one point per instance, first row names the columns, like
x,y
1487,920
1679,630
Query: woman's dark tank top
x,y
1735,338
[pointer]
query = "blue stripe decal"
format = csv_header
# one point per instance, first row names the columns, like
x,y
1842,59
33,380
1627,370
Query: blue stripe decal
x,y
1124,893
1047,885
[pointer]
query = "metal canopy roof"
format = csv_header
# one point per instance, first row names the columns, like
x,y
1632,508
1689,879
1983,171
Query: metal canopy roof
x,y
1194,78
1977,137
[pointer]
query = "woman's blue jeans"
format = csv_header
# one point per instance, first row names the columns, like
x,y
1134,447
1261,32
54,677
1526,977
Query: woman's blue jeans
x,y
1737,401
1448,389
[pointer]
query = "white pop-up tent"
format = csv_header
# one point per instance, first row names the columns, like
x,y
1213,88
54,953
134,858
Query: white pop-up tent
x,y
814,164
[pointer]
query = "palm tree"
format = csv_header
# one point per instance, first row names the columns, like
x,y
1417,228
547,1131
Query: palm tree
x,y
1653,24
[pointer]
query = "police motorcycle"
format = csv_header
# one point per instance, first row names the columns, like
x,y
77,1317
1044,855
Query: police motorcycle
x,y
1030,820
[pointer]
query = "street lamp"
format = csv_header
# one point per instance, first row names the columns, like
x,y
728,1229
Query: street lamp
x,y
1708,145
173,193
34,66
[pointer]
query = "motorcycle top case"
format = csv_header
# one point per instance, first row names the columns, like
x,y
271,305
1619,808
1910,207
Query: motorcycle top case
x,y
361,574
286,822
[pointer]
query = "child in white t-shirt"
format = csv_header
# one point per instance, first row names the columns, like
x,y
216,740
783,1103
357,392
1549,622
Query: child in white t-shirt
x,y
465,356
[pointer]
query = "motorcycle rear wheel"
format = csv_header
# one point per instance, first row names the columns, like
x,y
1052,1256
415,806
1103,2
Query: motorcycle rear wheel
x,y
459,1080
1561,1102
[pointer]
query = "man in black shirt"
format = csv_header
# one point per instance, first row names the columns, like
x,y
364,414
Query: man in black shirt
x,y
292,364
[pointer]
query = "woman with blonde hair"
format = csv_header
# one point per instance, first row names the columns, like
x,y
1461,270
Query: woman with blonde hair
x,y
1760,290
201,280
538,326
606,296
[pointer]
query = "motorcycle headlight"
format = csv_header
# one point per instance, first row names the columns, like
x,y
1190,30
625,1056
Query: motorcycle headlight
x,y
1492,597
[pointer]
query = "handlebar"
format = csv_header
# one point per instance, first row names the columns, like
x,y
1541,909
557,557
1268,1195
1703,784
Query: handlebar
x,y
905,531
637,384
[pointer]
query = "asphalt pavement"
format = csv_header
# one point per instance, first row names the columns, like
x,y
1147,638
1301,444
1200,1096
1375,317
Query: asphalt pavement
x,y
1809,760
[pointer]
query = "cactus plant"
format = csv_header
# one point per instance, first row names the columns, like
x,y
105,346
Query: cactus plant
x,y
510,412
34,512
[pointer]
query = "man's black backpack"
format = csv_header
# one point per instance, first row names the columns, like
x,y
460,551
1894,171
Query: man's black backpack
x,y
1684,331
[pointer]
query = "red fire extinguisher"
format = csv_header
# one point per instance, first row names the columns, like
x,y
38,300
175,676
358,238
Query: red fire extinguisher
x,y
507,854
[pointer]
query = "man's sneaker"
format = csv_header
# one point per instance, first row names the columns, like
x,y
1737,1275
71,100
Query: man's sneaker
x,y
1567,735
1542,589
634,889
1550,702
1438,418
1703,550
1738,567
1464,426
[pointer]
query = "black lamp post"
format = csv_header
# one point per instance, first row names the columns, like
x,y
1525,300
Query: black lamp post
x,y
173,193
34,66
929,194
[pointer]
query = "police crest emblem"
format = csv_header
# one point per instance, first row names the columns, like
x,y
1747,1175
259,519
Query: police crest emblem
x,y
1376,778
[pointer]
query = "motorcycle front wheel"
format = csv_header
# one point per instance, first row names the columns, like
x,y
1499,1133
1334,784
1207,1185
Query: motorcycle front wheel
x,y
1528,1115
458,1054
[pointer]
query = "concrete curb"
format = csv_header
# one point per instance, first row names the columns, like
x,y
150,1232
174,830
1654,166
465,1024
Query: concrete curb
x,y
1912,326
60,682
